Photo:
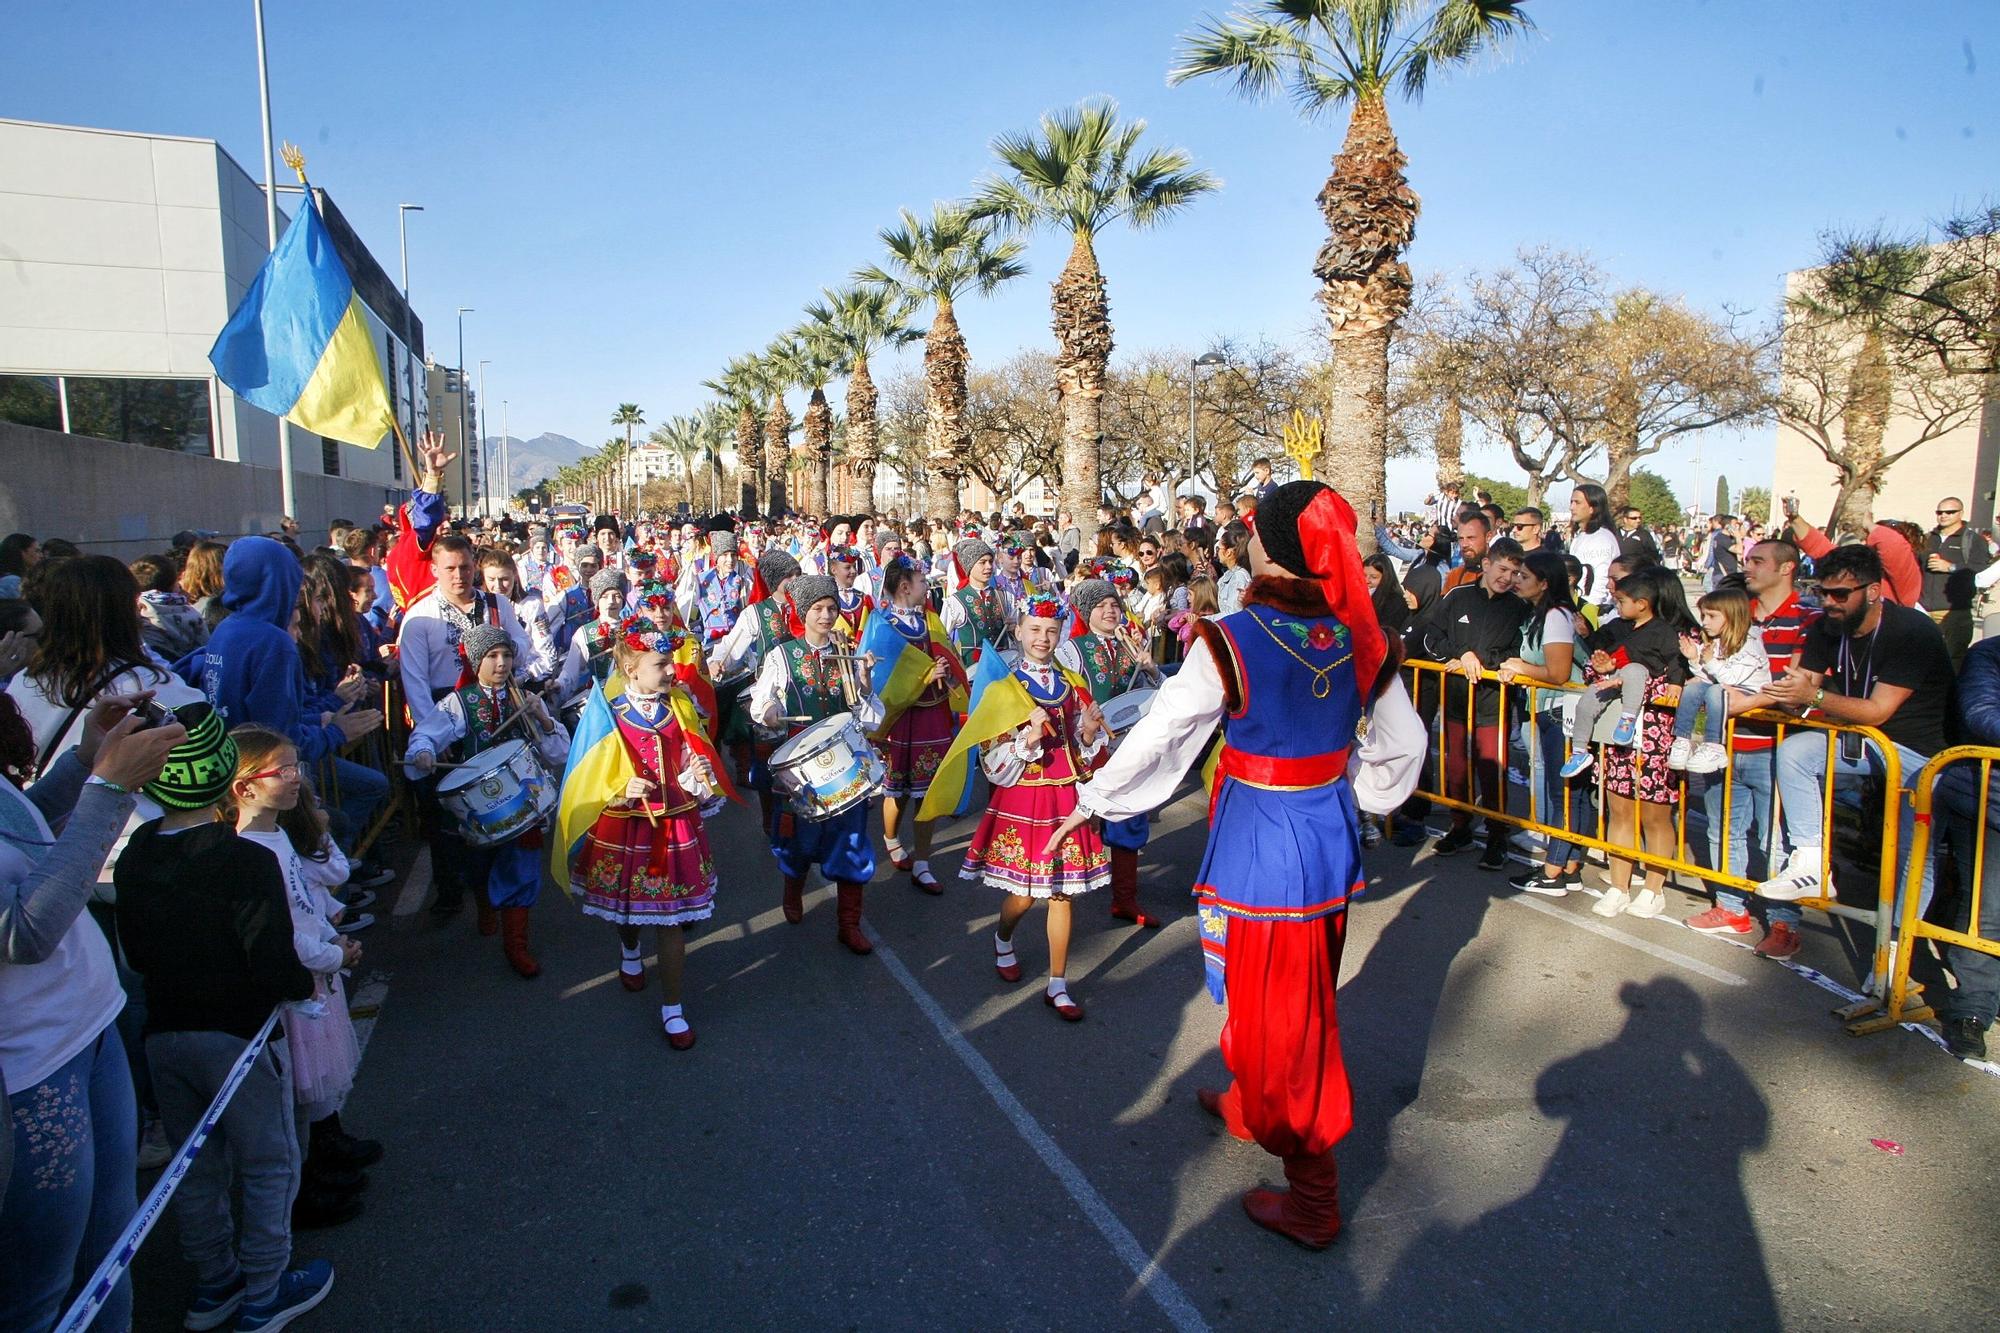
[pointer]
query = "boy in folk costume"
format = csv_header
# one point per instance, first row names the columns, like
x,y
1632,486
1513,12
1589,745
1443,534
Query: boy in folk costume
x,y
590,649
1039,736
1290,678
639,774
977,614
915,736
721,591
844,564
465,722
799,683
1111,659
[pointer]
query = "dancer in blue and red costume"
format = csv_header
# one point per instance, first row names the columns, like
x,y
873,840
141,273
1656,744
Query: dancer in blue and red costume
x,y
1314,721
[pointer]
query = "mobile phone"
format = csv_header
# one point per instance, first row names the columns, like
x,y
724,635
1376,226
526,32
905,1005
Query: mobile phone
x,y
1850,747
152,713
1791,503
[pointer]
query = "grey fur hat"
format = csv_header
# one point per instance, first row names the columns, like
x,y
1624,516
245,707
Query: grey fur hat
x,y
722,540
1087,594
482,639
606,580
774,567
809,588
970,552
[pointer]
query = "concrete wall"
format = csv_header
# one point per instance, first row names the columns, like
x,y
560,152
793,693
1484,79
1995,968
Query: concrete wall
x,y
127,500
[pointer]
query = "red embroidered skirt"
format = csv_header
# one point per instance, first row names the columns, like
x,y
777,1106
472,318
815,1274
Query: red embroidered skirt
x,y
1006,849
638,873
915,745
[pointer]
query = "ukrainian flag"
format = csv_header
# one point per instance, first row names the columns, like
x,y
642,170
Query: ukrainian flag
x,y
1000,703
902,668
299,345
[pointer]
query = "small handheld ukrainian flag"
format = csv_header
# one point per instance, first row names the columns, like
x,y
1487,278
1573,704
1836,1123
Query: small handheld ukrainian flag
x,y
299,345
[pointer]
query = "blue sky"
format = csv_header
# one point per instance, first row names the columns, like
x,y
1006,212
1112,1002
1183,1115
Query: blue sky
x,y
629,193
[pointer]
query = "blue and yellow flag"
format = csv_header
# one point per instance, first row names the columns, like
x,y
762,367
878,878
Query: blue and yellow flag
x,y
1000,703
902,668
299,346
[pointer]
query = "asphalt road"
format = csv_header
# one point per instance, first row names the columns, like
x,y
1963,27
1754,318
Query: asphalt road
x,y
1561,1122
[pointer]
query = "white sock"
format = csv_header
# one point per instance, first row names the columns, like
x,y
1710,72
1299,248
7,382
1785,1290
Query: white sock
x,y
920,868
630,960
670,1015
1002,949
1056,986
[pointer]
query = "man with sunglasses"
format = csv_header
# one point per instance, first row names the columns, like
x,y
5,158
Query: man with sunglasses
x,y
1868,662
1953,556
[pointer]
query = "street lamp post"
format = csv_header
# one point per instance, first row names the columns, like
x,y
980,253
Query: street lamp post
x,y
1194,373
464,491
480,410
403,212
503,453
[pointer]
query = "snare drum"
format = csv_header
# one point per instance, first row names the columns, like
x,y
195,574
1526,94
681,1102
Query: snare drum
x,y
1123,711
827,769
498,794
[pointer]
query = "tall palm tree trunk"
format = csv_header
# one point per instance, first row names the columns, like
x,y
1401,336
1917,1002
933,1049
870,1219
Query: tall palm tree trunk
x,y
947,437
777,454
1863,419
818,446
1371,215
1081,318
864,439
748,457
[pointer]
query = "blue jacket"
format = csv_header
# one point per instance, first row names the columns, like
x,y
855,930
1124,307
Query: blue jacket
x,y
1957,789
250,669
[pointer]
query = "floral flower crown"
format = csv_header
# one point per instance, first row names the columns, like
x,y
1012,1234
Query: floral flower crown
x,y
1044,608
846,553
641,635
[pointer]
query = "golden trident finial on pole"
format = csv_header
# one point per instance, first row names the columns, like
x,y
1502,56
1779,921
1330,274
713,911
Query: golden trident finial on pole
x,y
294,159
1302,442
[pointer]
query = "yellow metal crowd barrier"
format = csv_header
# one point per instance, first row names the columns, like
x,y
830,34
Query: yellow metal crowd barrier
x,y
1971,874
1427,687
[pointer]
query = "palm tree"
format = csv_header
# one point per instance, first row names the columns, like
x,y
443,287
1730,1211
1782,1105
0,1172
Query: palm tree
x,y
799,361
938,260
1079,173
628,415
858,322
737,387
715,421
1327,54
772,382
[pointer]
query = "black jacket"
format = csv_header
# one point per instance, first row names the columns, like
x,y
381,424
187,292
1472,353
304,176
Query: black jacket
x,y
204,920
1468,620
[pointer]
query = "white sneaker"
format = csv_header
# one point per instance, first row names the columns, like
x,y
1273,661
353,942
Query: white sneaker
x,y
1708,757
1649,903
1613,903
1677,758
1801,878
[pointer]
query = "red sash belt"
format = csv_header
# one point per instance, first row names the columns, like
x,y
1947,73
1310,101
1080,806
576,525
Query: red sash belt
x,y
1272,772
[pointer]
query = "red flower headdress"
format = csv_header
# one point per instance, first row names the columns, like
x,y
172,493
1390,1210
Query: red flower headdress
x,y
641,635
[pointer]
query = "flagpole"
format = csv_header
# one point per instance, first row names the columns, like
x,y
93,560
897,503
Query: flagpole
x,y
288,498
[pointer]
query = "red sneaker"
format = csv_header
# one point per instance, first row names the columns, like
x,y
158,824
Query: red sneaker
x,y
1720,921
1780,942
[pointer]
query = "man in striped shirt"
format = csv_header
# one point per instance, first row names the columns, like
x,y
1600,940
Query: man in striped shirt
x,y
1769,572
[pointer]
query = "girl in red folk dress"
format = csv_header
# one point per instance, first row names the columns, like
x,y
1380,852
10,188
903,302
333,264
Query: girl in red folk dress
x,y
1034,769
914,741
646,861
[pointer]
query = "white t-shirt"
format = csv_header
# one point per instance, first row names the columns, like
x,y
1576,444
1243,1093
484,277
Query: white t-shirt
x,y
1596,550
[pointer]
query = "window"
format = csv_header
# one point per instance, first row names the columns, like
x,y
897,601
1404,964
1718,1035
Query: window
x,y
31,400
161,414
329,456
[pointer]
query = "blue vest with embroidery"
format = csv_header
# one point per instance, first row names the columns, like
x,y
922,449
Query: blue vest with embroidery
x,y
1298,684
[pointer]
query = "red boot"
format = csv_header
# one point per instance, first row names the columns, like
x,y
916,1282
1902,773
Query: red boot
x,y
795,898
848,899
489,920
514,941
1125,888
1226,1106
1308,1212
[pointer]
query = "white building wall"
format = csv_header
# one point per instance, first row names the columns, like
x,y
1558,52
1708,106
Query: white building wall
x,y
125,255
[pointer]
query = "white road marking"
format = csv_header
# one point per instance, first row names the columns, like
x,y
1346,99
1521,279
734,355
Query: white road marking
x,y
1660,952
415,884
1154,1280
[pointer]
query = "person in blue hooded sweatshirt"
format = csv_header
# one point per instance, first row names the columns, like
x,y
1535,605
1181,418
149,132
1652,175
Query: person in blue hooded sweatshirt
x,y
251,672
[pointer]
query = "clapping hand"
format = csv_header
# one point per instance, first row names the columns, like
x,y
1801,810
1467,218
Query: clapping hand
x,y
352,686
